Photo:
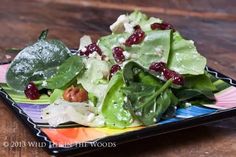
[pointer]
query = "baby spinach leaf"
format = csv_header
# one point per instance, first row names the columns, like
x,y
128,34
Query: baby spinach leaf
x,y
134,72
220,85
196,85
112,109
148,103
66,72
36,62
43,35
148,97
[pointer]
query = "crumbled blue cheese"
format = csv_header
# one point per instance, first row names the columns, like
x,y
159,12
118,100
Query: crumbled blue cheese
x,y
127,54
159,51
126,99
187,104
84,41
122,24
44,84
121,40
129,28
118,26
138,113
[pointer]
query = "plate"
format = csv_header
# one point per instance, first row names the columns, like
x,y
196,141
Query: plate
x,y
71,138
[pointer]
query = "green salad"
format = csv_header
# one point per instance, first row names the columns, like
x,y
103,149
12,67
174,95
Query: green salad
x,y
136,76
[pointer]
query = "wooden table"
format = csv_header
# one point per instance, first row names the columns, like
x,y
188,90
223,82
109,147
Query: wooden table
x,y
211,23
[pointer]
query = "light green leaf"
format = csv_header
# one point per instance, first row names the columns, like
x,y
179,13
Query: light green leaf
x,y
106,43
112,109
57,93
141,19
184,57
154,48
96,70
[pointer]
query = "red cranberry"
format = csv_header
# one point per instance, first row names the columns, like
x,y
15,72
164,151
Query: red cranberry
x,y
136,38
31,91
157,66
90,49
176,77
114,69
161,26
118,54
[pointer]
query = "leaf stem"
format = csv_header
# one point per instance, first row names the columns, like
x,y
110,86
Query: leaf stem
x,y
163,88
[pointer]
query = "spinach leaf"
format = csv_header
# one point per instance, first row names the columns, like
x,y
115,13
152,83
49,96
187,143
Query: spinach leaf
x,y
148,103
112,109
66,72
36,62
196,85
43,35
134,72
148,97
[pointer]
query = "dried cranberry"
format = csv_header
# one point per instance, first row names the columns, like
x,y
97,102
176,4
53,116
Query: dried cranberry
x,y
31,91
114,69
176,77
90,49
157,66
161,26
118,54
136,38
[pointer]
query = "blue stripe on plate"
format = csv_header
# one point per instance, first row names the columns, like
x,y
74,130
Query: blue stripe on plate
x,y
189,112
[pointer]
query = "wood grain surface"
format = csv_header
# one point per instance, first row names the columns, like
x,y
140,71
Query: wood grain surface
x,y
210,23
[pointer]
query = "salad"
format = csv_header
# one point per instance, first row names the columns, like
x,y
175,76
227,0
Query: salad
x,y
136,76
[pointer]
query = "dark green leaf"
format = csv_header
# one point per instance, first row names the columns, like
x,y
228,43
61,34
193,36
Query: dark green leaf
x,y
195,86
66,72
36,62
148,97
43,35
133,72
148,104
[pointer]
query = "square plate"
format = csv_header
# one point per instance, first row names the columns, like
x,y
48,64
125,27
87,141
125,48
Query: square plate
x,y
71,138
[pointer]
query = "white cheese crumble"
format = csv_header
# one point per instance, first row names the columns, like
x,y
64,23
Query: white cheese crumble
x,y
44,84
84,41
126,54
118,26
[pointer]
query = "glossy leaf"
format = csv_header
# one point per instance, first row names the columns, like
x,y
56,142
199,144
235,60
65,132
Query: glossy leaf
x,y
66,72
36,62
113,111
